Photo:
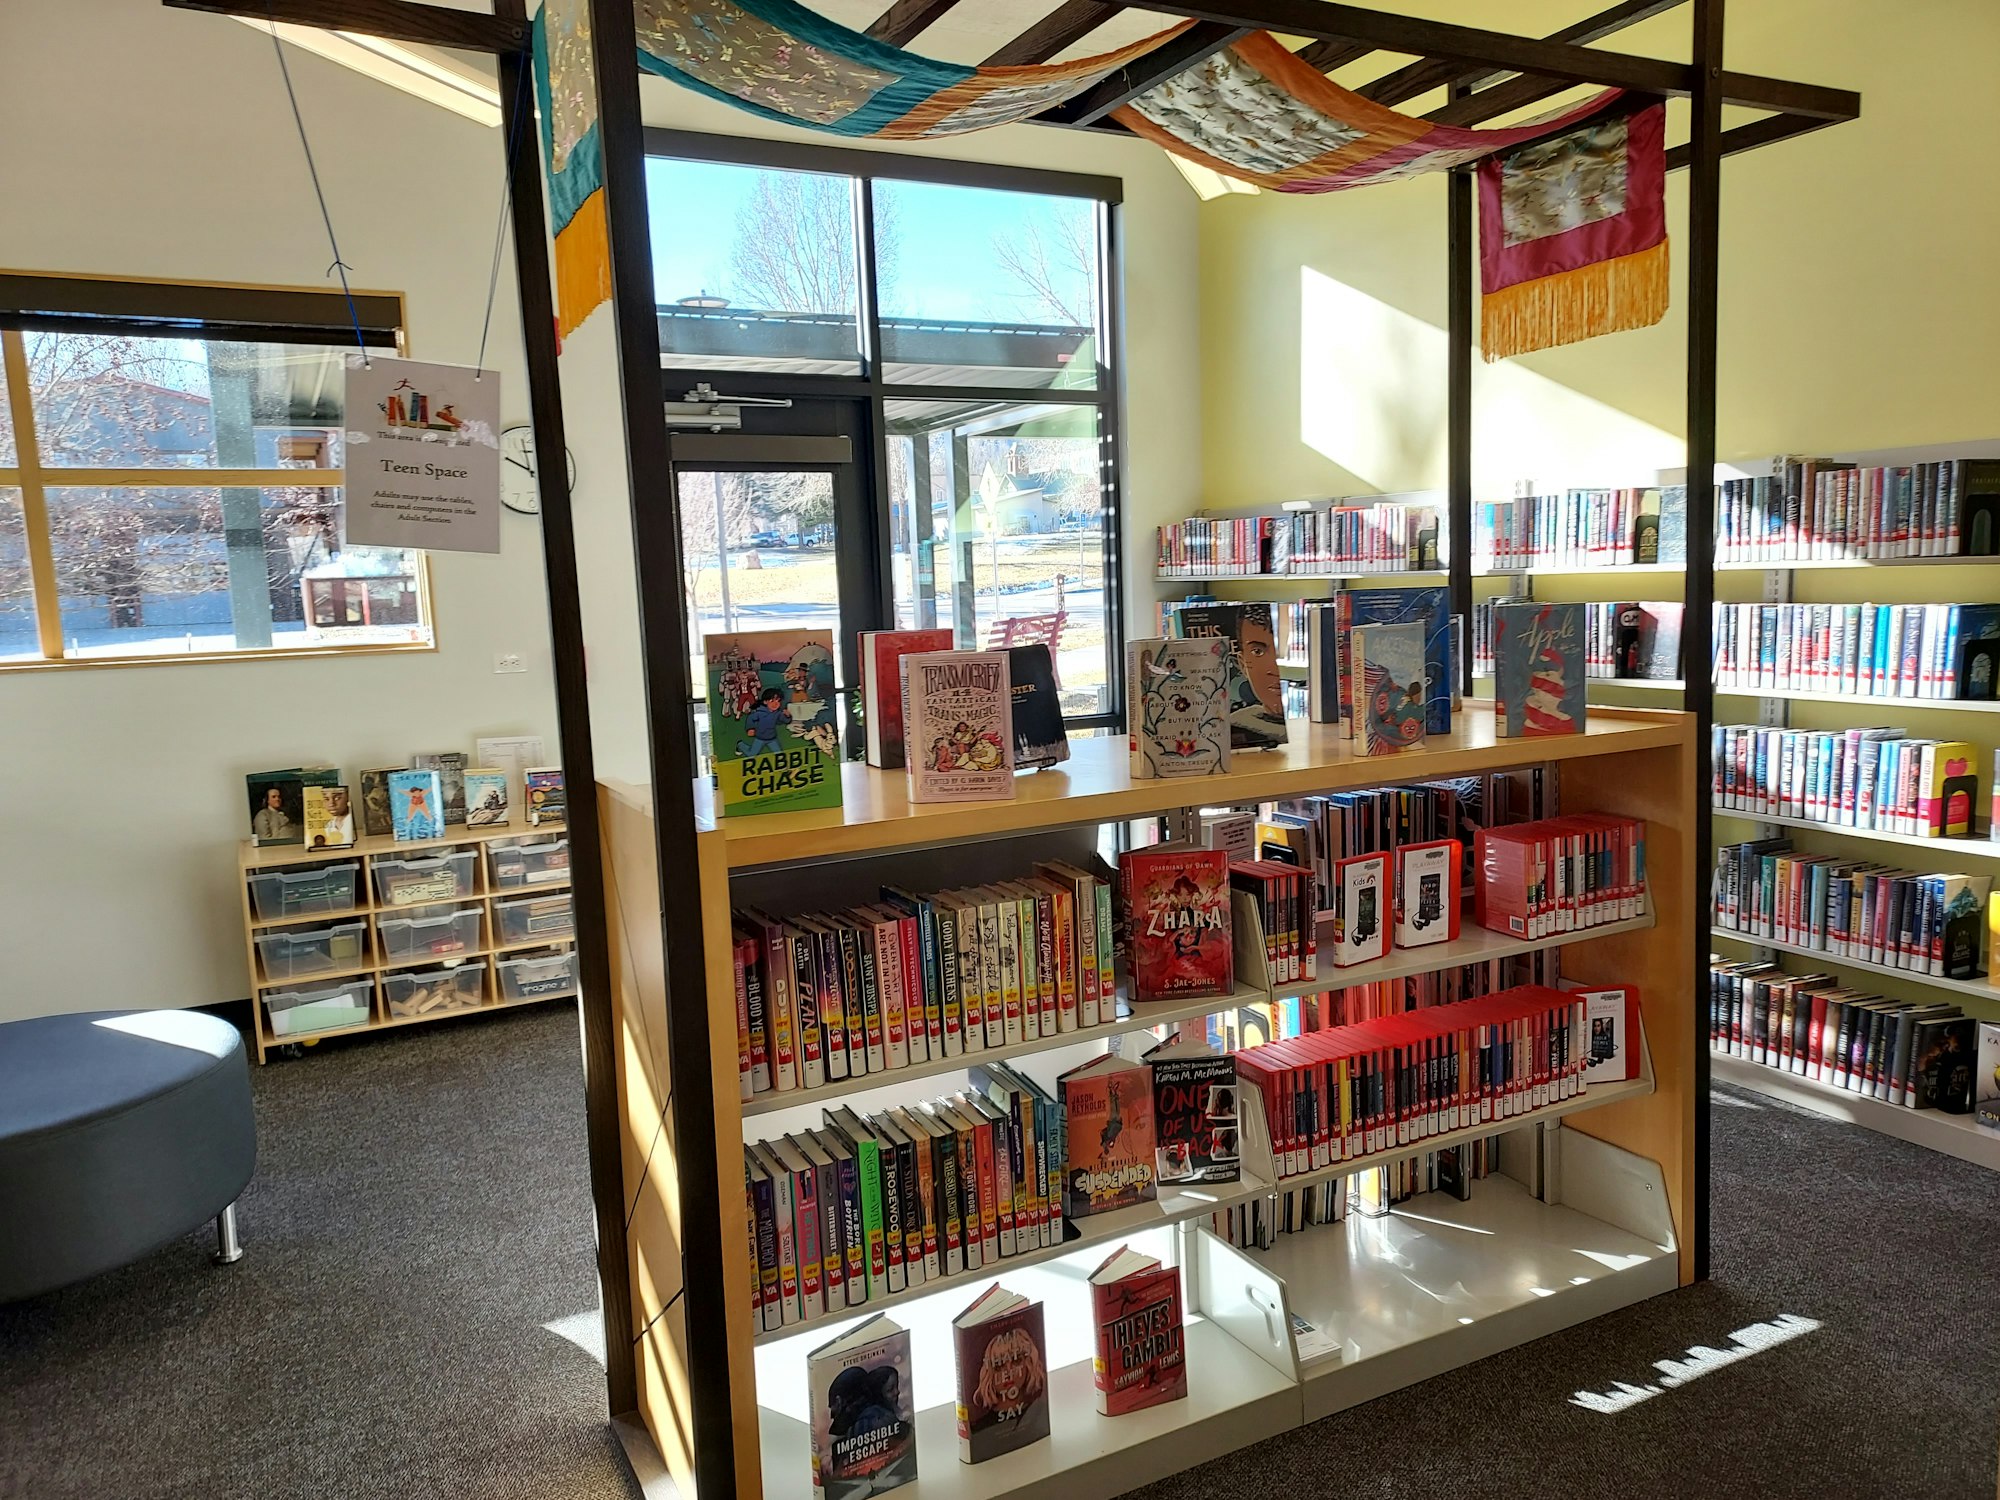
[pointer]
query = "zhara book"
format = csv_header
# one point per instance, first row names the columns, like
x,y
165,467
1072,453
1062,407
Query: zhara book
x,y
882,687
1141,1357
864,1420
773,720
1538,669
1179,707
957,714
1178,926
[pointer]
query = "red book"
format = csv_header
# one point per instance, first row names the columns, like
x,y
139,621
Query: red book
x,y
1108,1104
1177,922
1141,1346
881,687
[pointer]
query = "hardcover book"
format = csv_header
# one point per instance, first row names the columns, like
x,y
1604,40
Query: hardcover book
x,y
1194,1114
1429,609
1179,709
277,807
1141,1357
450,766
416,805
329,817
542,789
486,797
1108,1113
513,754
957,713
1659,646
1538,668
1387,681
1003,1375
1256,695
376,819
882,687
1177,921
864,1421
1039,737
772,720
1943,1064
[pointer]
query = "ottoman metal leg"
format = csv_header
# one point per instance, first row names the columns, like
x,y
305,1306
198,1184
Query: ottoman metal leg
x,y
228,1249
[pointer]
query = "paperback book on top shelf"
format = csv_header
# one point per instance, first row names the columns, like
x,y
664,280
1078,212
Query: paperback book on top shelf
x,y
772,725
882,687
1256,697
1040,740
1177,922
329,817
542,787
864,1422
1003,1375
1387,682
1141,1358
958,716
1178,711
1538,669
277,807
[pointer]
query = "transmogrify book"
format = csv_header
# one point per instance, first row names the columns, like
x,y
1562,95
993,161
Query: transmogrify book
x,y
958,720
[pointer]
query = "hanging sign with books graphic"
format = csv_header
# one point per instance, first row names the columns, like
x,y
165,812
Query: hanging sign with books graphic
x,y
423,455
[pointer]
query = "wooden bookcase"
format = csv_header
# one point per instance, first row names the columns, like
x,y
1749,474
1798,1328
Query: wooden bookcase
x,y
478,896
1591,1210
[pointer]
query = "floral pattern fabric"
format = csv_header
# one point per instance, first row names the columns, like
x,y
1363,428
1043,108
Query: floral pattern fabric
x,y
1555,186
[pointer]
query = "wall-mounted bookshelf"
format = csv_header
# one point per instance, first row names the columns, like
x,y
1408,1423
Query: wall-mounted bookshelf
x,y
1955,1135
1977,847
1802,695
1982,987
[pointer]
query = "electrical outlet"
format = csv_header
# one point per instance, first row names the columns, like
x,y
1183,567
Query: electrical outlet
x,y
508,661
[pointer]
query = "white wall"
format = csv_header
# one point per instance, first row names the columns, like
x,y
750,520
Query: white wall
x,y
151,142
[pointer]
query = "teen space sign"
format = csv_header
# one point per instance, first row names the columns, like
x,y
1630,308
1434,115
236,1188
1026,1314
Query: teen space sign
x,y
423,455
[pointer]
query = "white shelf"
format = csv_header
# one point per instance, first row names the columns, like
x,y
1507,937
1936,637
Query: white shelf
x,y
1954,1135
1439,1283
1577,568
1968,848
1835,564
1856,700
1983,988
1137,1016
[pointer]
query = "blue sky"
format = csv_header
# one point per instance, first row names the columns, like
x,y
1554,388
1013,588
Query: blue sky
x,y
946,268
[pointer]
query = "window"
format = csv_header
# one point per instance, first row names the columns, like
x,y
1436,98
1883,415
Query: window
x,y
170,476
955,320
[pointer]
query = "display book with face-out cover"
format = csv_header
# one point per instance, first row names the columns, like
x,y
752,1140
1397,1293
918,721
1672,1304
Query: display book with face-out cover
x,y
1178,924
864,1421
1141,1357
773,728
1003,1375
958,726
1256,693
1109,1159
1177,707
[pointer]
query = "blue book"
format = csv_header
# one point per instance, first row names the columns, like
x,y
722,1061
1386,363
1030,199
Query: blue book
x,y
416,805
1430,608
1538,668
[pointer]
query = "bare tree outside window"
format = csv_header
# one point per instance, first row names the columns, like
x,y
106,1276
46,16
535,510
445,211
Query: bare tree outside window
x,y
794,249
1055,267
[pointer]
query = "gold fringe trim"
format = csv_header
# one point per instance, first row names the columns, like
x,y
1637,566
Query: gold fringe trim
x,y
583,265
1609,297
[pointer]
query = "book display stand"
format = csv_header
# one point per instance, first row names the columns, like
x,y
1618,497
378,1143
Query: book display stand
x,y
1604,1206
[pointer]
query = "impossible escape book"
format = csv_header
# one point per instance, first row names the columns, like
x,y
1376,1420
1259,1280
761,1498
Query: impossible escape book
x,y
864,1420
772,720
958,719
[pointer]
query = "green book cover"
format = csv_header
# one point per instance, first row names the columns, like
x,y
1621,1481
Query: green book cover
x,y
773,720
868,1155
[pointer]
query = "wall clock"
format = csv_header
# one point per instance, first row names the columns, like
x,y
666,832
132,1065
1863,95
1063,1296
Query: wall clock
x,y
519,489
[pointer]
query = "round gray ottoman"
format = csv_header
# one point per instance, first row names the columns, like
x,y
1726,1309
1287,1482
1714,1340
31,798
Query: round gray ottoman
x,y
119,1131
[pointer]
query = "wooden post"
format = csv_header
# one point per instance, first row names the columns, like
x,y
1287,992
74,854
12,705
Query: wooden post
x,y
1458,400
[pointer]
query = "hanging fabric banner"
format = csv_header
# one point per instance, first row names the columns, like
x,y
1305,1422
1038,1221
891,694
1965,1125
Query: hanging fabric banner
x,y
1573,235
566,96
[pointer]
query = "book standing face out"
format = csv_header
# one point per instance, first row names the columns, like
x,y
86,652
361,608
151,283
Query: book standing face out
x,y
416,805
376,819
542,786
1141,1357
957,715
1003,1375
882,687
1108,1113
1178,921
1538,669
1256,692
450,766
864,1429
487,802
329,817
277,807
1040,740
772,720
1388,687
1179,707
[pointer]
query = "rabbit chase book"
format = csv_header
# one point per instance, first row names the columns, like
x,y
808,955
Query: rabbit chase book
x,y
1538,669
1141,1355
864,1421
1256,696
958,717
1177,918
1388,688
1003,1375
1178,709
772,723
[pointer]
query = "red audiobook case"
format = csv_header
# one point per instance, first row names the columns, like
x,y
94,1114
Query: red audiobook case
x,y
1141,1349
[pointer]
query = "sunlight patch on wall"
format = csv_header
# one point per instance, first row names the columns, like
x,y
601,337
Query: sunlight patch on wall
x,y
1372,398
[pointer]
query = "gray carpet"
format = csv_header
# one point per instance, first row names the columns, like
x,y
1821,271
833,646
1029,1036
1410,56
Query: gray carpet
x,y
420,1213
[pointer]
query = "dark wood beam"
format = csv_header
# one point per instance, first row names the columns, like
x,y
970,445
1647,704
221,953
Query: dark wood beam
x,y
397,20
1460,269
1327,54
1420,78
1203,39
901,22
1502,98
1067,24
1748,137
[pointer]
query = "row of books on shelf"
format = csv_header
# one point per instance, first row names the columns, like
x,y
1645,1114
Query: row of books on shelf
x,y
1935,925
1924,651
1918,1055
1634,640
1389,537
1581,529
1881,779
1371,1192
425,798
1817,510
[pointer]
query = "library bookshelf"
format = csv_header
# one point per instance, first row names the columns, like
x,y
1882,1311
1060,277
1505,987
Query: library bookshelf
x,y
1591,1208
469,882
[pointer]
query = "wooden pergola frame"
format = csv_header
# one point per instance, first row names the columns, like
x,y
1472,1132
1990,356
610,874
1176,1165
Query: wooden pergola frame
x,y
1485,74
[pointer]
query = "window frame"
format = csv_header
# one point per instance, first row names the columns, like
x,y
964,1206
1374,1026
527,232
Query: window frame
x,y
870,388
82,303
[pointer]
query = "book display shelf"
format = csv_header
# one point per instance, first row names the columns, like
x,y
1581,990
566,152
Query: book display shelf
x,y
1589,1209
386,934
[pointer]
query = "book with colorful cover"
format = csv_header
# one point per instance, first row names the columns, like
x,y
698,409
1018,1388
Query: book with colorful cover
x,y
1945,795
1387,681
1003,1375
1040,740
1108,1114
882,687
416,805
1538,668
773,720
543,794
329,817
487,804
1256,693
450,766
376,819
1141,1357
1177,921
1427,608
958,719
1178,710
864,1420
1194,1113
277,806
